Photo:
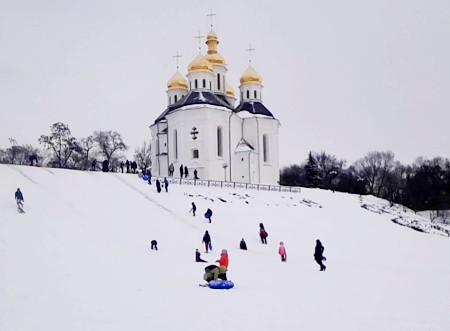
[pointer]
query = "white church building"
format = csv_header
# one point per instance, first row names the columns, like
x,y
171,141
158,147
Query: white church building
x,y
203,129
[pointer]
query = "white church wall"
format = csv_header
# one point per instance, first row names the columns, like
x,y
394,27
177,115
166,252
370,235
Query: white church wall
x,y
269,163
208,164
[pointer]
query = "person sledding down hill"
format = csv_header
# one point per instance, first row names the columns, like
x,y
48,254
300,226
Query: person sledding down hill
x,y
19,199
212,272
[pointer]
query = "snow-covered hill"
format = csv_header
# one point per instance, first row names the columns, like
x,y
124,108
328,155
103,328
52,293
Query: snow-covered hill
x,y
79,259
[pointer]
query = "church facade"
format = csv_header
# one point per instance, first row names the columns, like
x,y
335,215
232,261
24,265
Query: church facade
x,y
204,130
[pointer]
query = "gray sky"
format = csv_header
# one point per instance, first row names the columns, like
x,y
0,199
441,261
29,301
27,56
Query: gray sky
x,y
346,77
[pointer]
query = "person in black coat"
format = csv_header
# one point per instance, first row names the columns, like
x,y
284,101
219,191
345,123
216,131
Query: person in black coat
x,y
154,244
206,240
158,185
318,255
193,209
197,257
243,245
186,172
181,171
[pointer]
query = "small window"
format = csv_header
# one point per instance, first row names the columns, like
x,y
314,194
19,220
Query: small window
x,y
265,148
176,98
210,85
195,154
219,142
175,143
242,159
170,100
255,94
248,94
196,84
218,82
204,83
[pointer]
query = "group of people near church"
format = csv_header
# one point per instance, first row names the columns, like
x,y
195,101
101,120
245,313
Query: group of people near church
x,y
184,171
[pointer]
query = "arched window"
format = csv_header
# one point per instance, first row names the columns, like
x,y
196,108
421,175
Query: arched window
x,y
170,100
218,82
175,143
210,85
195,153
176,98
219,141
255,94
248,94
265,148
204,83
195,84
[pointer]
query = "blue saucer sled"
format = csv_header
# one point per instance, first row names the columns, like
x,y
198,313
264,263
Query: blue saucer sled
x,y
221,284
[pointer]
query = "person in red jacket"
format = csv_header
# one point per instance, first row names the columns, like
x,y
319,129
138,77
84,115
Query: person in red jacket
x,y
223,262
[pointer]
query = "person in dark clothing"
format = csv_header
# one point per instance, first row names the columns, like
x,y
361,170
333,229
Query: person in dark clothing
x,y
158,185
181,171
133,166
212,272
193,209
186,172
121,166
166,183
93,165
195,174
318,255
197,257
105,166
208,215
206,240
154,244
263,233
19,198
127,164
243,245
171,169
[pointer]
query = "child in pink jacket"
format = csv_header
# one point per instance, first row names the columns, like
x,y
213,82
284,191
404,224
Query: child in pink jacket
x,y
282,252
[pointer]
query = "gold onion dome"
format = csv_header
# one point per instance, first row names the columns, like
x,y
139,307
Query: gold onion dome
x,y
229,90
212,55
177,81
250,76
200,63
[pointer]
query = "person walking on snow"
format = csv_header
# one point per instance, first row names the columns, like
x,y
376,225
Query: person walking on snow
x,y
243,245
198,256
193,209
318,255
282,252
166,183
158,185
206,240
263,233
208,215
171,169
186,172
181,171
19,198
223,263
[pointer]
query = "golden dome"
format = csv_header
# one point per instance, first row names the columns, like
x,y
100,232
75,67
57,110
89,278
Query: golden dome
x,y
250,76
229,90
212,55
177,81
200,63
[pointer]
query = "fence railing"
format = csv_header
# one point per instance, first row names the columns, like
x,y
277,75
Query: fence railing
x,y
221,184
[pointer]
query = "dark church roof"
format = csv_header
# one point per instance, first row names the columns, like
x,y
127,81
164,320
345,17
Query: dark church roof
x,y
253,107
196,98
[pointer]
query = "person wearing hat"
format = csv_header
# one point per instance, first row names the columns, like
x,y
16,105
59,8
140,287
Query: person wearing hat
x,y
19,198
212,272
223,262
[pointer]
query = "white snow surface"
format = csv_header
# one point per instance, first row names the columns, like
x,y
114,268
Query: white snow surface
x,y
79,259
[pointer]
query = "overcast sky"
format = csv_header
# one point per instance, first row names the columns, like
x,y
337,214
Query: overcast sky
x,y
346,77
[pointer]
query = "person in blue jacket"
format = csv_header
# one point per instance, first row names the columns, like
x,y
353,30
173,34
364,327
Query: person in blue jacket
x,y
208,215
19,197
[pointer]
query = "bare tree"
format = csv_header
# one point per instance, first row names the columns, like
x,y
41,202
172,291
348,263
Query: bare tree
x,y
374,168
61,143
142,155
86,146
109,142
329,168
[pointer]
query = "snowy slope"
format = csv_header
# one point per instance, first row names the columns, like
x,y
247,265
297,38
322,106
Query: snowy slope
x,y
79,259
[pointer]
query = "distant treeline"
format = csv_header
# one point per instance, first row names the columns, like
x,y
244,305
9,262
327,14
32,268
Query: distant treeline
x,y
424,185
62,150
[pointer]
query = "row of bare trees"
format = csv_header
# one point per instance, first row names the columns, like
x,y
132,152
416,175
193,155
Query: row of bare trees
x,y
62,150
424,185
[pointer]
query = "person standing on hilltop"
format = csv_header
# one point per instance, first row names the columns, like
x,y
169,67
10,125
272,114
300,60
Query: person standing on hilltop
x,y
282,252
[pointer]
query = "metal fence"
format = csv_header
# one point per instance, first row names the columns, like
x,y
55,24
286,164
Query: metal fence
x,y
220,184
